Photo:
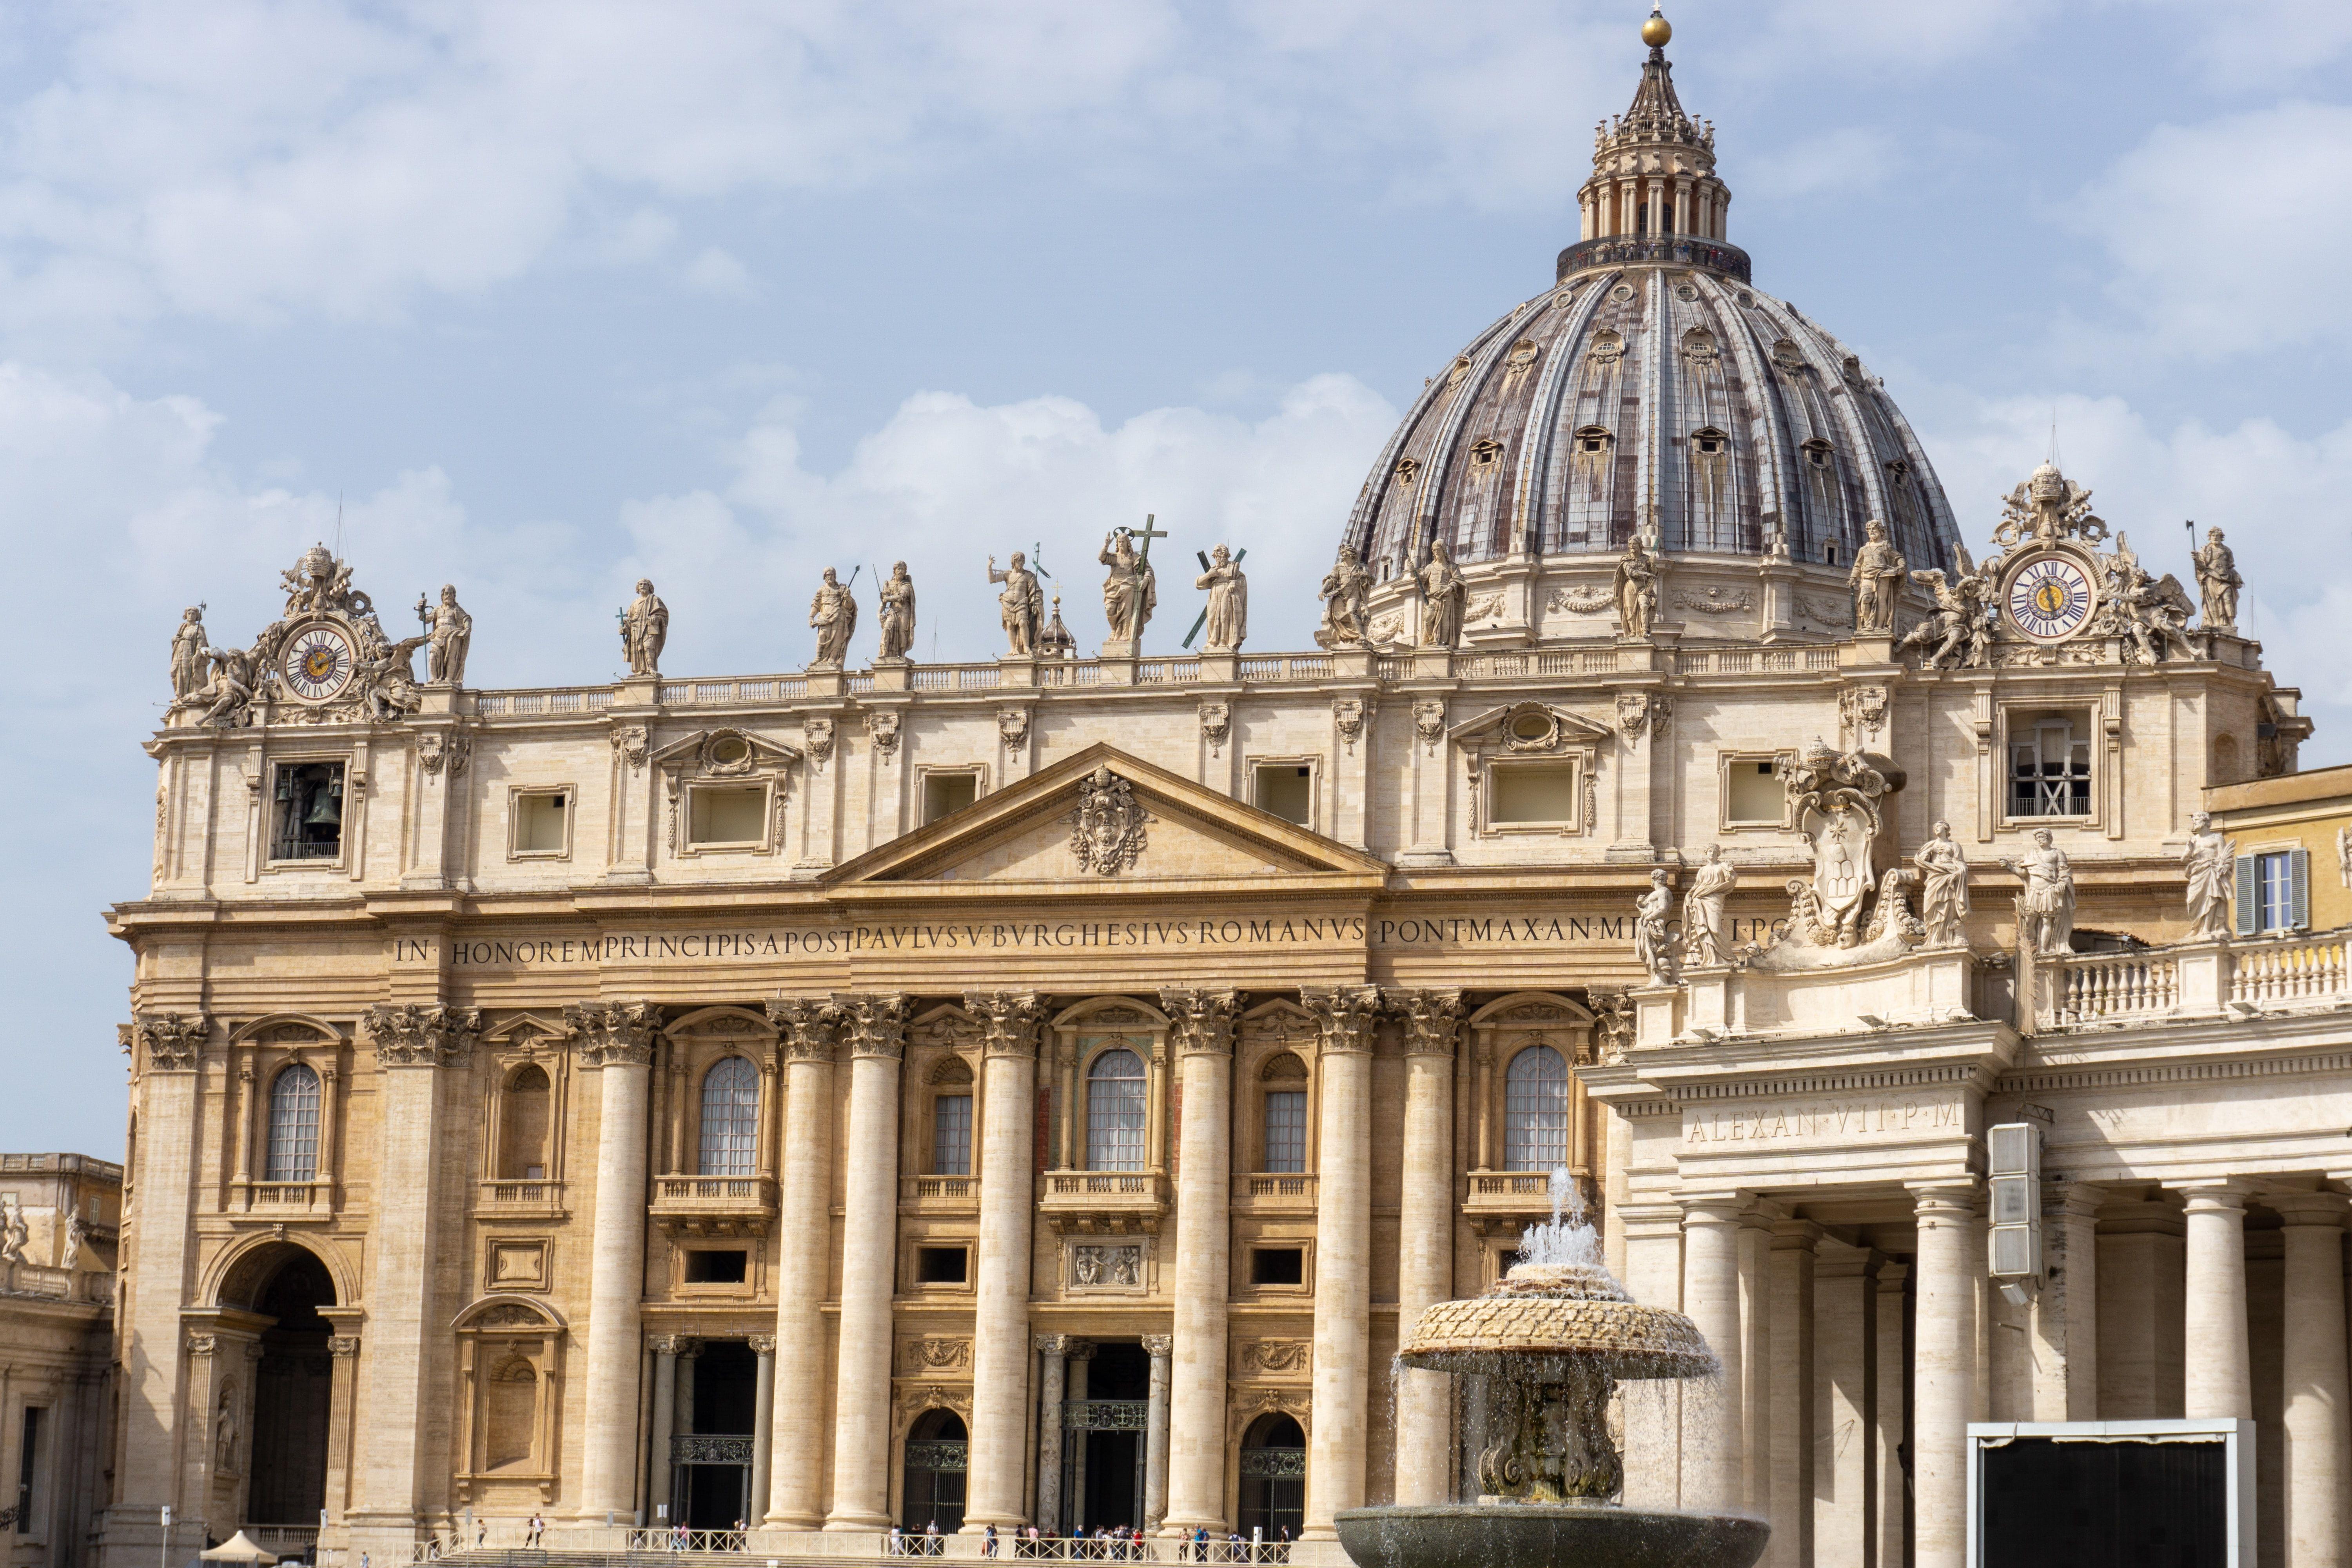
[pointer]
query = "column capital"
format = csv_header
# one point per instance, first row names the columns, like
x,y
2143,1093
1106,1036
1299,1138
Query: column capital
x,y
809,1027
173,1041
1202,1021
1008,1022
874,1023
1344,1017
1728,1211
2217,1195
1159,1347
2072,1200
1080,1350
1432,1019
343,1347
1944,1202
613,1033
1055,1344
2322,1209
672,1345
763,1344
409,1034
1795,1235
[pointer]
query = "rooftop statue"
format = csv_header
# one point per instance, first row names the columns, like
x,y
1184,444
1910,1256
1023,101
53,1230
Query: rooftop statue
x,y
2045,906
833,613
1654,942
1444,595
895,612
1705,936
1943,891
1344,589
1637,589
188,653
2210,861
1228,614
645,627
1130,592
1021,604
2216,581
450,631
1877,580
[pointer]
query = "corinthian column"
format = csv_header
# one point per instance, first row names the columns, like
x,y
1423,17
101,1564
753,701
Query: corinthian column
x,y
877,1030
617,1041
1155,1432
412,1044
1343,1254
810,1030
1203,1031
1055,1349
1000,1341
1425,1236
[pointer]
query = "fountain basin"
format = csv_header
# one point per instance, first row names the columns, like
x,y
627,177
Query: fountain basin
x,y
1542,1535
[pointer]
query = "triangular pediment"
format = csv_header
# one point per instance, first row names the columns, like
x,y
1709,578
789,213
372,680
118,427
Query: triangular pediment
x,y
1148,826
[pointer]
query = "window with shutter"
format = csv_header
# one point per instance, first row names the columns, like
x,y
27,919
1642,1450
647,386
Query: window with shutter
x,y
2299,882
2248,908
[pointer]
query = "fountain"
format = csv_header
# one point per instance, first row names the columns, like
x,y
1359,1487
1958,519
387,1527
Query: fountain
x,y
1551,1343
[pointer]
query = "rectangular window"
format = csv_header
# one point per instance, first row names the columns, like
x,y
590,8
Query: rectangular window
x,y
943,1265
944,793
732,814
1285,1130
2274,892
2050,765
1533,793
539,827
716,1266
1285,789
1278,1265
310,806
1753,795
28,1469
951,1135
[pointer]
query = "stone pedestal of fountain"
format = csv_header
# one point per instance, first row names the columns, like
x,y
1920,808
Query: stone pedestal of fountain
x,y
1552,1341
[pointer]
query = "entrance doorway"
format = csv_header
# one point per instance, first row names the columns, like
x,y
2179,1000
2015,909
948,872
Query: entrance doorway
x,y
1102,1437
1274,1477
714,1452
938,1454
293,1390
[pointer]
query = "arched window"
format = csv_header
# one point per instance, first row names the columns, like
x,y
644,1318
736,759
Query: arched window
x,y
523,1120
730,1119
1285,1077
1274,1476
938,1455
1115,1111
1535,1110
293,1126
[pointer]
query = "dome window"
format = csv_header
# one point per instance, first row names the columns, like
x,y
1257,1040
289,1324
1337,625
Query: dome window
x,y
1698,346
1789,356
1592,440
1607,348
1486,453
1461,369
1710,442
1515,362
1818,453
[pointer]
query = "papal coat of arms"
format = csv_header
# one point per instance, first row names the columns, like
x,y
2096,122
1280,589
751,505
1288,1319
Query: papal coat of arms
x,y
1107,829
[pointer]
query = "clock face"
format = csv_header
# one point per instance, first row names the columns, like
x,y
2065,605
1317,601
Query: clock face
x,y
317,663
2049,599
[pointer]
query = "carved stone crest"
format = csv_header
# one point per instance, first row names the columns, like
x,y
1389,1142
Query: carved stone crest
x,y
629,741
1429,719
935,1353
1633,714
884,728
1216,723
818,734
1347,717
1106,830
1279,1357
1864,708
1013,726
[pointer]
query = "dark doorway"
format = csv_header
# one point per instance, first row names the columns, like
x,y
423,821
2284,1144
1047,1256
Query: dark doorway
x,y
714,1473
1109,1445
292,1393
938,1453
1274,1477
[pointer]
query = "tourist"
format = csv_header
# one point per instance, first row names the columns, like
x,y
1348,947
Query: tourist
x,y
988,1543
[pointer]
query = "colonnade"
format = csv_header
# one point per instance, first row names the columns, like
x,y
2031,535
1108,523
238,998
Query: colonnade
x,y
1188,1443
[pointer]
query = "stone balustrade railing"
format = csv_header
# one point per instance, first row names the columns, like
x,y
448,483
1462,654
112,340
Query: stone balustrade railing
x,y
554,702
2289,970
55,1284
2093,989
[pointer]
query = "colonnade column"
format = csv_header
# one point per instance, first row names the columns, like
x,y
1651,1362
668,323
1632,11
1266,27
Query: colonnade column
x,y
1712,1445
1344,1015
1155,1432
665,1425
2065,1310
2218,1381
2313,1377
1202,1033
412,1043
1891,1432
1425,1236
1055,1349
1794,1394
1846,1347
763,1417
810,1030
1653,1273
1000,1341
1943,1372
875,1027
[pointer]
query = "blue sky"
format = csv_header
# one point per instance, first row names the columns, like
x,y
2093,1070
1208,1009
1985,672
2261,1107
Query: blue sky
x,y
553,295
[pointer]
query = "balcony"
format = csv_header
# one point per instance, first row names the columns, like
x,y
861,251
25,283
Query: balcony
x,y
1517,1195
1275,1193
714,1206
940,1195
536,1198
1085,1202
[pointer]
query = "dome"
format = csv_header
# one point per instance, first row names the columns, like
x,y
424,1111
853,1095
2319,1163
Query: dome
x,y
1652,388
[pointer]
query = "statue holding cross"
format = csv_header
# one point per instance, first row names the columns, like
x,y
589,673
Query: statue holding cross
x,y
1132,592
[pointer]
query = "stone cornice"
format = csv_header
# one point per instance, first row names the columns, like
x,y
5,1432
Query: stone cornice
x,y
1202,1021
410,1033
613,1033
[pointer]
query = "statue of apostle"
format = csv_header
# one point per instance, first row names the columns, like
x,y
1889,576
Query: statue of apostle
x,y
1943,887
834,616
1343,592
645,627
2217,583
1876,578
2210,860
1443,596
1653,940
895,614
188,664
1130,592
1021,603
451,631
1228,590
2045,909
1637,589
1707,936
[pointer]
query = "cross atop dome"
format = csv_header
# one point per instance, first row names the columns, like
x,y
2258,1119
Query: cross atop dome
x,y
1654,165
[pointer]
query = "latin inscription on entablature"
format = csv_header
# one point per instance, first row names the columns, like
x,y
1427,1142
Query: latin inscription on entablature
x,y
1825,1121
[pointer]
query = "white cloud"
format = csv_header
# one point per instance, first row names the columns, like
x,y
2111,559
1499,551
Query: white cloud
x,y
2218,228
715,271
1836,162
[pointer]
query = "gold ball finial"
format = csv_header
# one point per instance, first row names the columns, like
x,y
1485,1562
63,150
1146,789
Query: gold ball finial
x,y
1657,29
